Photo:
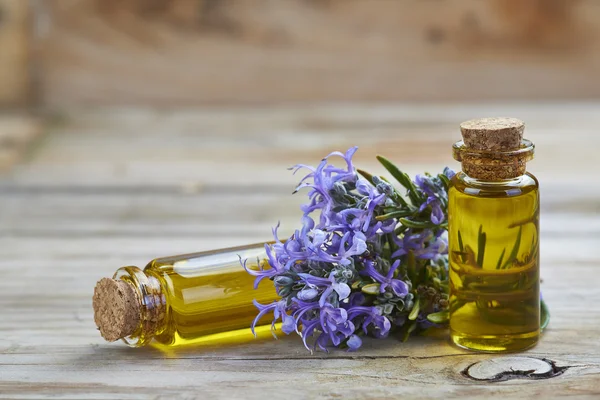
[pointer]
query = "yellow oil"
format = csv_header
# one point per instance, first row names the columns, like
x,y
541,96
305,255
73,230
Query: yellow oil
x,y
209,297
494,263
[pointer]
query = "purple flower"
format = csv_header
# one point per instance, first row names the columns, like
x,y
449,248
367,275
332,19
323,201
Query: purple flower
x,y
354,342
331,321
334,325
449,173
279,311
432,191
261,274
356,219
315,269
400,288
340,250
324,178
328,285
374,199
425,245
371,316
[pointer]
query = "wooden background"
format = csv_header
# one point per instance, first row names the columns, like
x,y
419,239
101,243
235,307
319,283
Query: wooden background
x,y
190,52
142,128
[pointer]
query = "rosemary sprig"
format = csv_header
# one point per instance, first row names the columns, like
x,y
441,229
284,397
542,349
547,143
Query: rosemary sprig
x,y
515,251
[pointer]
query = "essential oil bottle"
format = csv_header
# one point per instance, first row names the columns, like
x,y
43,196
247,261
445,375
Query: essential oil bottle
x,y
189,299
493,239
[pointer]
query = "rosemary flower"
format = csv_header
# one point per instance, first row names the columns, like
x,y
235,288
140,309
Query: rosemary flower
x,y
351,268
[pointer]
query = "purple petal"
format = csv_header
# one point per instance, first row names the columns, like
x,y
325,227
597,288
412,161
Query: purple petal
x,y
399,287
437,215
354,342
307,294
325,296
289,324
342,289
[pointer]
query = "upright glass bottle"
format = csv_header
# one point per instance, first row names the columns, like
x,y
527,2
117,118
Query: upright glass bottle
x,y
189,299
494,239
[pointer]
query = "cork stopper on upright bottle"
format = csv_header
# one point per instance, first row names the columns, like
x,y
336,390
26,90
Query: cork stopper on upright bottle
x,y
493,134
493,148
116,309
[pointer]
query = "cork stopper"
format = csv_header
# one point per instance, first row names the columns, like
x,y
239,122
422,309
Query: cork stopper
x,y
116,309
493,134
493,149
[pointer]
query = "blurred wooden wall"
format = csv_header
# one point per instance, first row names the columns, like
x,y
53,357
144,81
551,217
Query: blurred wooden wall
x,y
15,41
189,52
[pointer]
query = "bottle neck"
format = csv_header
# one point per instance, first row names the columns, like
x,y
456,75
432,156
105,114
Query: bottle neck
x,y
151,303
494,166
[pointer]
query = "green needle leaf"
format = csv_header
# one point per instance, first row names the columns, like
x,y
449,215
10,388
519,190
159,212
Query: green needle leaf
x,y
499,265
415,311
440,317
411,265
402,178
408,329
366,175
481,246
461,246
420,224
445,179
394,214
515,250
371,288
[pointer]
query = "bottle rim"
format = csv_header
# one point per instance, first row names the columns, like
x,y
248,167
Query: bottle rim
x,y
525,152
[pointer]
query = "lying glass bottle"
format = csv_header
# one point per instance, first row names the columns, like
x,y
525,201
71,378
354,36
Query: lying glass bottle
x,y
183,300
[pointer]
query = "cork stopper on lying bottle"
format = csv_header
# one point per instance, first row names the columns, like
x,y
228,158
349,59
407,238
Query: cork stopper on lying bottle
x,y
130,306
493,149
116,309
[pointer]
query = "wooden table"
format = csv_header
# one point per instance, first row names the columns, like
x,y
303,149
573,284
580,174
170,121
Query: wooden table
x,y
106,188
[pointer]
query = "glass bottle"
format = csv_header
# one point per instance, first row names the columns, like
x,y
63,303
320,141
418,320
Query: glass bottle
x,y
493,216
181,300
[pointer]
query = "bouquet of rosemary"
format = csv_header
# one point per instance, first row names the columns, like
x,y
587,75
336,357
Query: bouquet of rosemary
x,y
369,258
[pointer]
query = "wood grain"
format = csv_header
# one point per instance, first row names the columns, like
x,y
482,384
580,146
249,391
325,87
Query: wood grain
x,y
189,52
86,202
15,48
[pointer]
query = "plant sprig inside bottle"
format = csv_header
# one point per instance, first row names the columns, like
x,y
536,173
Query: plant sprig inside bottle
x,y
467,259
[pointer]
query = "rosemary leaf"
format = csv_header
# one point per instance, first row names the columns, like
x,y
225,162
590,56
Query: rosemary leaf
x,y
445,180
400,230
461,246
403,179
440,317
415,311
365,175
394,214
371,288
411,266
419,224
481,246
407,329
499,265
392,243
515,251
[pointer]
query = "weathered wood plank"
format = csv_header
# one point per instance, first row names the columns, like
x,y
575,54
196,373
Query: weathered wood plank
x,y
256,51
15,49
262,142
